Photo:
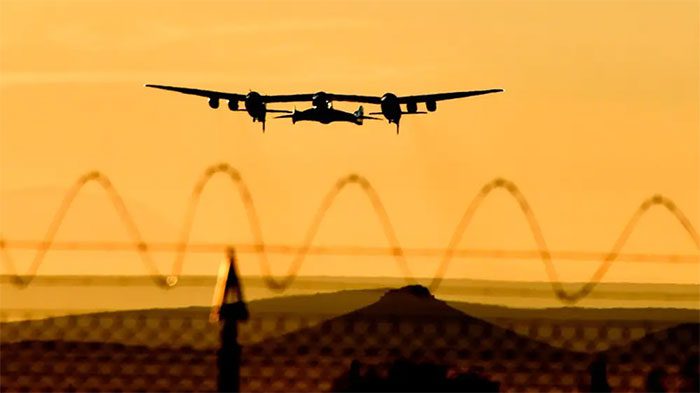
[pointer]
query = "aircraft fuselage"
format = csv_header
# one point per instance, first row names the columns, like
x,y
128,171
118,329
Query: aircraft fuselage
x,y
255,106
322,111
391,109
324,116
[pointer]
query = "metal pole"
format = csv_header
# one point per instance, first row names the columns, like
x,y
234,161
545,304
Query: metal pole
x,y
233,309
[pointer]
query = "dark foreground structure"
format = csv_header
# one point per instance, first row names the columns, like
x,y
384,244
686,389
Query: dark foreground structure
x,y
406,376
405,341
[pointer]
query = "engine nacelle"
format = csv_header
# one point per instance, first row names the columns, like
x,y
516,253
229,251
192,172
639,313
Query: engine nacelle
x,y
411,107
233,105
213,102
431,106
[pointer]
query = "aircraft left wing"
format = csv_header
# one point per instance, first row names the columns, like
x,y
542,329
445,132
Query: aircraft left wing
x,y
201,92
233,96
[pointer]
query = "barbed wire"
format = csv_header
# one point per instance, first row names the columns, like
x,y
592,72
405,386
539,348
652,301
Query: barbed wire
x,y
183,246
348,250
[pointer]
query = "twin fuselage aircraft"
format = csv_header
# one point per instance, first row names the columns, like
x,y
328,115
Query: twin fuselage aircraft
x,y
322,110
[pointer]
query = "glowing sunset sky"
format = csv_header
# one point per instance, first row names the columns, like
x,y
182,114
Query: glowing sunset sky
x,y
601,111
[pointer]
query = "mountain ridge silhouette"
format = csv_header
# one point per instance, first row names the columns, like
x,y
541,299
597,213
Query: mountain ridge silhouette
x,y
405,323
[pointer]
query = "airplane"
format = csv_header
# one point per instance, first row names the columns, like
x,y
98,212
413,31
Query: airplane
x,y
327,114
322,110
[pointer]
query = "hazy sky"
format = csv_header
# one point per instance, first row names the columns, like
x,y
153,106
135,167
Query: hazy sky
x,y
600,112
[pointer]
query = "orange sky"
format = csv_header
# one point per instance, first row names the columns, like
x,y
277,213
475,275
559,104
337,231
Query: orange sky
x,y
600,112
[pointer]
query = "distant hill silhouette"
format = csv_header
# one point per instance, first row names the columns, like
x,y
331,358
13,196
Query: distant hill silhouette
x,y
190,325
407,323
410,323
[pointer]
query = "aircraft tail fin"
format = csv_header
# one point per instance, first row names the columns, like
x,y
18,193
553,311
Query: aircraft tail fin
x,y
360,115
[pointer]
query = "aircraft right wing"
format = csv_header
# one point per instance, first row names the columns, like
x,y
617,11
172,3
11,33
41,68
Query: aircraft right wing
x,y
404,99
446,96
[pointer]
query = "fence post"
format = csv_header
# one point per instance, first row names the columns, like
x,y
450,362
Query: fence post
x,y
232,310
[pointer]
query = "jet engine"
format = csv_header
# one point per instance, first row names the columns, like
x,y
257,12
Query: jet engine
x,y
431,106
233,105
411,107
213,103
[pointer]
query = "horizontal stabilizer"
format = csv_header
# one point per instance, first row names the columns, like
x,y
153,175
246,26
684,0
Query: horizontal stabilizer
x,y
284,116
403,113
278,111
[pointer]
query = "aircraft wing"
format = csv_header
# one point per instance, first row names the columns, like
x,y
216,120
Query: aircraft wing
x,y
201,93
288,98
446,96
402,100
233,96
355,98
330,96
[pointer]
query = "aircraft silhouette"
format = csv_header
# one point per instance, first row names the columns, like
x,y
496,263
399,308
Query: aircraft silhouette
x,y
322,110
327,114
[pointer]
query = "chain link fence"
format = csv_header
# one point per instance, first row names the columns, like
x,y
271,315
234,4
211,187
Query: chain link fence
x,y
164,350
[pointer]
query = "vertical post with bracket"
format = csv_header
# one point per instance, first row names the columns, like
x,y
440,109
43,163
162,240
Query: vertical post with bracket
x,y
229,309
